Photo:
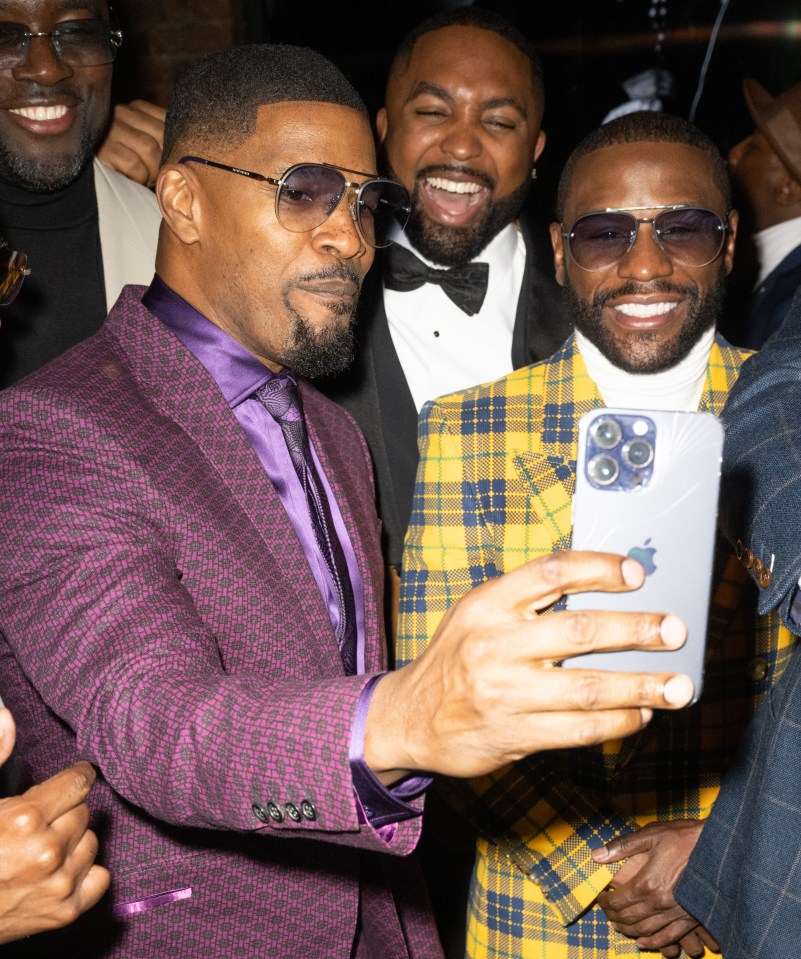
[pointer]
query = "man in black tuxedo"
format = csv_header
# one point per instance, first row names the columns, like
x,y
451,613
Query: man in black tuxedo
x,y
461,130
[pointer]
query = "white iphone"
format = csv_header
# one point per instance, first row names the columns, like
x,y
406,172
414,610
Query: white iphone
x,y
647,486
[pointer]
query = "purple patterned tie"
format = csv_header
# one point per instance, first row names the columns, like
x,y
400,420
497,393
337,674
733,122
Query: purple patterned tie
x,y
280,397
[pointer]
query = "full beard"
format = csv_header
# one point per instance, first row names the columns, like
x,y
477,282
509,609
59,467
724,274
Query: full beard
x,y
312,351
651,354
453,245
45,173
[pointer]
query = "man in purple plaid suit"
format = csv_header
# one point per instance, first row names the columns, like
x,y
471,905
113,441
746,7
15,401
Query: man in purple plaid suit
x,y
191,572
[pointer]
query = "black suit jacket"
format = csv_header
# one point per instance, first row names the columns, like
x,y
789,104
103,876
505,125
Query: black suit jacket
x,y
374,390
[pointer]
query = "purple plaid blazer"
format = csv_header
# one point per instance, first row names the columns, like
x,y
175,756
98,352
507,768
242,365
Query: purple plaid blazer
x,y
159,619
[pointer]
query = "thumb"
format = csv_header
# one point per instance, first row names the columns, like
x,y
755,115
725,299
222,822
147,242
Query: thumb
x,y
621,847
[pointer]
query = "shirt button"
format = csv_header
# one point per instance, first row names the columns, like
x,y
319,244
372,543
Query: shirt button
x,y
259,813
308,810
758,670
292,811
275,812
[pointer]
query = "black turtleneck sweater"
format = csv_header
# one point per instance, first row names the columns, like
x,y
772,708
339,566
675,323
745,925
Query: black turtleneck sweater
x,y
63,300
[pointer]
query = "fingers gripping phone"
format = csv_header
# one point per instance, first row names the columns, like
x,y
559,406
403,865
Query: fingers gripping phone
x,y
647,487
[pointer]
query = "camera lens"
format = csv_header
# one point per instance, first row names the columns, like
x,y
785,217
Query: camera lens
x,y
603,470
638,453
606,433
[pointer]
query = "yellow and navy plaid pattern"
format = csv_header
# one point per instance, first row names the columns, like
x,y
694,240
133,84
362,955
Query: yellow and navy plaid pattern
x,y
494,490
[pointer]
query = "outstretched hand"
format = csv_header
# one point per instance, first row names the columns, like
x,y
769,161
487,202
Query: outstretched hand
x,y
486,691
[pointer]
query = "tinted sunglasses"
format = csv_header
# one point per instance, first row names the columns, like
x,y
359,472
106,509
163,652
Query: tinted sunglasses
x,y
13,270
308,193
78,43
690,236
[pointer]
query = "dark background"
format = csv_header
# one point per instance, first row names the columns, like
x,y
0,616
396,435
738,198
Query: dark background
x,y
588,48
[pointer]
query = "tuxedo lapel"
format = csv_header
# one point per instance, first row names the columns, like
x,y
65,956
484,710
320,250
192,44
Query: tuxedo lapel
x,y
542,323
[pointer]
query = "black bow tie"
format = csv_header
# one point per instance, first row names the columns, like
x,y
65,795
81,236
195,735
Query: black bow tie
x,y
465,285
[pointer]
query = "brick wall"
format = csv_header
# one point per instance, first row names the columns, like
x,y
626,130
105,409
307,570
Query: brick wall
x,y
162,37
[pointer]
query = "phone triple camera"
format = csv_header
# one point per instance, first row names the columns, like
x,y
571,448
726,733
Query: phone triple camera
x,y
620,451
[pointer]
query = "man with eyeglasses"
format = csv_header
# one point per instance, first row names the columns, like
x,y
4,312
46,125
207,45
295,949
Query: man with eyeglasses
x,y
191,578
643,248
87,229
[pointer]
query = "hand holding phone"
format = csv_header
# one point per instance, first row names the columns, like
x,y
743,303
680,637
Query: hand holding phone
x,y
647,487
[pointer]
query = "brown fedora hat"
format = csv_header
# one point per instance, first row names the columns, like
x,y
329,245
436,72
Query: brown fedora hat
x,y
779,118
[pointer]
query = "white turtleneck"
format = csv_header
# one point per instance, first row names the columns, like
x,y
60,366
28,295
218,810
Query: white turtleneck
x,y
678,388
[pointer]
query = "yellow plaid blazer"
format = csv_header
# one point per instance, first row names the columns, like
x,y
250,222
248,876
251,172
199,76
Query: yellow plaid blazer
x,y
494,490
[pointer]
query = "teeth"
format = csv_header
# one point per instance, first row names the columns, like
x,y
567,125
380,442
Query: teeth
x,y
645,310
41,113
453,186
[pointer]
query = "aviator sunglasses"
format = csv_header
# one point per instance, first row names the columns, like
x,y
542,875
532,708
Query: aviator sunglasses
x,y
13,270
308,193
77,43
690,236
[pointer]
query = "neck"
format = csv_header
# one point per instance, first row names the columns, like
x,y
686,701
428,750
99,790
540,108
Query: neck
x,y
678,388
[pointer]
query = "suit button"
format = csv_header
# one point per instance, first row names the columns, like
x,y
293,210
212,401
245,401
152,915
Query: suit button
x,y
738,549
259,813
748,557
292,811
275,812
308,810
758,670
765,577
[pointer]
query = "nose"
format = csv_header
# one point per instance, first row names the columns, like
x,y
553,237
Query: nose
x,y
462,138
646,260
41,64
340,235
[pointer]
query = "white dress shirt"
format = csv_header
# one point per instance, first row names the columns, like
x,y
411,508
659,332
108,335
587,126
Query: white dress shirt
x,y
441,349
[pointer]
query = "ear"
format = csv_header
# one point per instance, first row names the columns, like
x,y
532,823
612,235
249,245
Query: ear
x,y
539,146
788,193
177,191
381,124
558,244
731,236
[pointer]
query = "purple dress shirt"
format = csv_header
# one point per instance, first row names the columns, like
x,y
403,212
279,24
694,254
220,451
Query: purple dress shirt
x,y
238,374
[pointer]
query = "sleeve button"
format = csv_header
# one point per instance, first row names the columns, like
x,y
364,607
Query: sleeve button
x,y
292,811
275,812
308,810
259,813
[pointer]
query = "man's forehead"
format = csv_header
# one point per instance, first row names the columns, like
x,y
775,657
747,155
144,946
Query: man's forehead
x,y
293,132
97,8
455,50
642,175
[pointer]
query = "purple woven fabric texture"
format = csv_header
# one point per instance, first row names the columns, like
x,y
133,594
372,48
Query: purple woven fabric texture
x,y
159,619
280,397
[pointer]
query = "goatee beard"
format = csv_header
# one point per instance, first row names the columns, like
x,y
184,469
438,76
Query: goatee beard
x,y
650,354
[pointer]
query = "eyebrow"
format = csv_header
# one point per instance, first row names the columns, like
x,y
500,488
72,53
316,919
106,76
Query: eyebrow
x,y
492,104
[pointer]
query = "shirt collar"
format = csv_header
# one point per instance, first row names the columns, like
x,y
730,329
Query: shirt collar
x,y
234,369
497,253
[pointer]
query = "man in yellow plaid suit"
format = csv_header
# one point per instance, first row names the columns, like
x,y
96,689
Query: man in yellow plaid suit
x,y
643,249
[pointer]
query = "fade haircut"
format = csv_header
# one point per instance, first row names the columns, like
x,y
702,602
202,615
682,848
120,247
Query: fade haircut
x,y
482,20
644,126
217,99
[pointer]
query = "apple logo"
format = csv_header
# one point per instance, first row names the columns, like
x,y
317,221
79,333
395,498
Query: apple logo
x,y
645,556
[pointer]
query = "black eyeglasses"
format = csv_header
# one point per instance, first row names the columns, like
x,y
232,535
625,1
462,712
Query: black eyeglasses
x,y
308,193
76,43
690,236
13,270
